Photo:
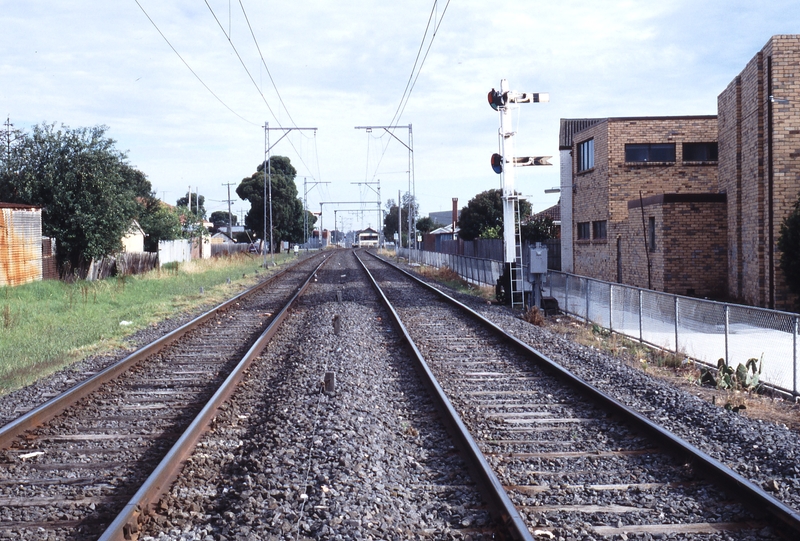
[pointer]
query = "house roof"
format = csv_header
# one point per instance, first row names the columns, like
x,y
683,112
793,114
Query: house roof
x,y
554,212
445,230
18,206
571,126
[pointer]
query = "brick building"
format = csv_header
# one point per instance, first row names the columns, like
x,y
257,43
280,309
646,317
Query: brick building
x,y
714,189
636,184
759,168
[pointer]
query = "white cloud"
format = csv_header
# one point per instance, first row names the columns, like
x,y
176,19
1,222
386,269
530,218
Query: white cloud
x,y
339,65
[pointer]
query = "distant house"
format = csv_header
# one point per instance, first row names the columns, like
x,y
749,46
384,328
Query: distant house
x,y
221,238
554,213
133,241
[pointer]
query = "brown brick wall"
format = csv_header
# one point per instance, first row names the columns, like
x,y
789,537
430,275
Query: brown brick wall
x,y
603,192
760,169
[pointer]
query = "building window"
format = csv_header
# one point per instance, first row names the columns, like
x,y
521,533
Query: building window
x,y
599,230
583,231
586,155
650,152
700,152
651,233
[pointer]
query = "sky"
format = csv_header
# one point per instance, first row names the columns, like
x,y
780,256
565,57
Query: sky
x,y
186,87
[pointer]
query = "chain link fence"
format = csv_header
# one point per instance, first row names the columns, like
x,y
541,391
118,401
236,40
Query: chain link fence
x,y
703,330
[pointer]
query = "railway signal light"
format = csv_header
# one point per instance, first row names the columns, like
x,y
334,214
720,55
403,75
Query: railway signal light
x,y
497,99
497,163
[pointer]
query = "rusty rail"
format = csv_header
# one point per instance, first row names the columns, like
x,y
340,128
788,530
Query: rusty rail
x,y
747,491
126,525
56,405
502,506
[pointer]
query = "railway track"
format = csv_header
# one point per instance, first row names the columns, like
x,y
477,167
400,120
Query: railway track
x,y
575,463
70,467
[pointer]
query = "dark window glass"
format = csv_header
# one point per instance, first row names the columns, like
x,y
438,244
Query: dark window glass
x,y
650,152
586,155
700,152
599,230
583,231
651,229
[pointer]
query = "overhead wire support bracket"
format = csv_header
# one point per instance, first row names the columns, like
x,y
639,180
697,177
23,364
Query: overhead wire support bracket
x,y
268,182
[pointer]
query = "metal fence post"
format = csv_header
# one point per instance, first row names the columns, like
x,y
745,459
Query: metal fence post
x,y
610,308
588,289
676,324
727,329
566,293
641,313
794,358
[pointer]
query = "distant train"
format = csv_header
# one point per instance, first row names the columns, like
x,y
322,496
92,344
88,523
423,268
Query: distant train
x,y
368,238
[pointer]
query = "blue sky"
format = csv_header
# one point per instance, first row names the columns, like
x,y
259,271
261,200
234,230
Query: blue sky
x,y
338,65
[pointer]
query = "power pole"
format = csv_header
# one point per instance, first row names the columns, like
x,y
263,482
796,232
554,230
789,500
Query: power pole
x,y
230,218
305,208
268,180
412,190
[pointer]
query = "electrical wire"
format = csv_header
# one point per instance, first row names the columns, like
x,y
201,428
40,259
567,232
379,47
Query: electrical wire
x,y
189,67
241,61
265,64
412,79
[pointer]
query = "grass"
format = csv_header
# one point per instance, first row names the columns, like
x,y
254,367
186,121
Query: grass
x,y
48,325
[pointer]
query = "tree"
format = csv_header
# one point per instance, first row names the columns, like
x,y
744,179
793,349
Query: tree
x,y
390,217
220,219
483,215
86,189
789,246
197,207
159,221
426,225
287,209
538,229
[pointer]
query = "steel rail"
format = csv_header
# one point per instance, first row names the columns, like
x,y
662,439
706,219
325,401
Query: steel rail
x,y
742,488
126,525
501,505
56,405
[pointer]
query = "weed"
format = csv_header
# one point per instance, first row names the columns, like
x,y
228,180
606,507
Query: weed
x,y
746,376
534,316
7,321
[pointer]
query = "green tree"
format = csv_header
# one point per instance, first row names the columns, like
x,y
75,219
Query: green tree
x,y
86,189
789,246
198,204
483,215
390,216
426,225
538,229
220,219
287,209
159,221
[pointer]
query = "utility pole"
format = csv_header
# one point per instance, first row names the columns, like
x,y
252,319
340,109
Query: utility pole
x,y
268,180
305,208
230,218
412,190
378,192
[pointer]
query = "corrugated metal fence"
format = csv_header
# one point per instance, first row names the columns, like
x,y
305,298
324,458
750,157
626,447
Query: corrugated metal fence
x,y
174,251
20,245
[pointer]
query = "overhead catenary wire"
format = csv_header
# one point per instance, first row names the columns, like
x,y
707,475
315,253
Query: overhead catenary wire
x,y
189,67
412,78
258,89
